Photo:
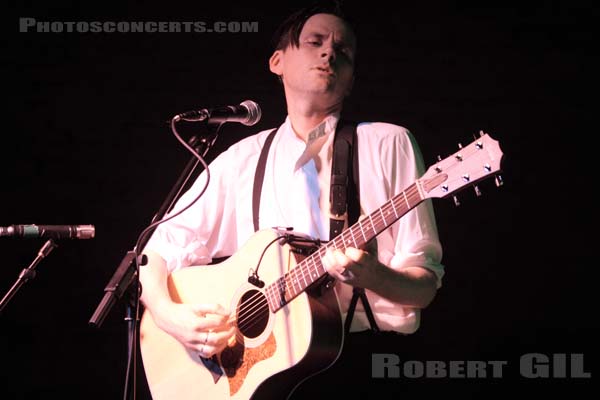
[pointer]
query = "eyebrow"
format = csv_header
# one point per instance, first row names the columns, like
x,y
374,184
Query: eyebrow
x,y
343,39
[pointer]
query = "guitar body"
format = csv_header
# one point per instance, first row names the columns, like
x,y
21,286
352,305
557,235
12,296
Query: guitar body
x,y
273,353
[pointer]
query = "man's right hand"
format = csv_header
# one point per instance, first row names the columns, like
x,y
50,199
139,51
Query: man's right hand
x,y
202,328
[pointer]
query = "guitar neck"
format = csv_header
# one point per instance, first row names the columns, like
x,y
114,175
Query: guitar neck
x,y
307,272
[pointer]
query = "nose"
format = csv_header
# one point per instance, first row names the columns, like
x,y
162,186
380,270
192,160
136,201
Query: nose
x,y
328,51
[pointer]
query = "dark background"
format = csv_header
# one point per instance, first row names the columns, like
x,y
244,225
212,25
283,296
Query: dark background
x,y
86,142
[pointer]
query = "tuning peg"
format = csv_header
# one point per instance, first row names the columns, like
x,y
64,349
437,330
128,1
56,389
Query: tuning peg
x,y
437,168
460,145
477,191
499,181
481,133
456,202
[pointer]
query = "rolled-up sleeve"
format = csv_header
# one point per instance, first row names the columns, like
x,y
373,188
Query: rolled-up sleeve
x,y
390,162
185,239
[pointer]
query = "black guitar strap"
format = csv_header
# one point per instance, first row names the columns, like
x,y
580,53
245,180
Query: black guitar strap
x,y
343,195
259,177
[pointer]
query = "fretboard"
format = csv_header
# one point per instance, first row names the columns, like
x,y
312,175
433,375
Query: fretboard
x,y
309,270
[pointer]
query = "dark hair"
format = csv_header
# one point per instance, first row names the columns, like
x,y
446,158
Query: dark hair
x,y
288,33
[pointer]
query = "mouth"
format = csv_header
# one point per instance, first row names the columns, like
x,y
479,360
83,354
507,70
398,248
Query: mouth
x,y
325,69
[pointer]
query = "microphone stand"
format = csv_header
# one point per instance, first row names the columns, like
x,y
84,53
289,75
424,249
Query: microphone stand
x,y
28,273
126,273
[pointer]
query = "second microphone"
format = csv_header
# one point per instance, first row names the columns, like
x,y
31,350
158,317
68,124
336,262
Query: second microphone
x,y
247,113
49,231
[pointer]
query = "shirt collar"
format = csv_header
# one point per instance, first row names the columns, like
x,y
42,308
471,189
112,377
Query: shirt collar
x,y
316,138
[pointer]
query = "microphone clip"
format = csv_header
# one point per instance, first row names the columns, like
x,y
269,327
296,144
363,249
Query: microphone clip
x,y
193,116
255,280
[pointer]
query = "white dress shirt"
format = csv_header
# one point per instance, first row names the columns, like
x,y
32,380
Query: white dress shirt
x,y
297,174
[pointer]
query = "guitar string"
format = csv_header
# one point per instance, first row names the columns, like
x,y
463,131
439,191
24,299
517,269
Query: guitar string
x,y
377,219
245,308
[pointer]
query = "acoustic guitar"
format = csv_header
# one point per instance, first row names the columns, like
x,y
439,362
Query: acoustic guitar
x,y
290,328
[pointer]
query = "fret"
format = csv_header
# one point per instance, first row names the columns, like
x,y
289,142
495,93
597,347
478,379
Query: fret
x,y
383,217
306,272
303,277
279,299
270,300
289,283
353,239
406,200
314,275
372,226
417,185
414,197
394,207
340,243
292,281
286,285
320,253
298,285
281,287
360,224
346,239
389,218
309,270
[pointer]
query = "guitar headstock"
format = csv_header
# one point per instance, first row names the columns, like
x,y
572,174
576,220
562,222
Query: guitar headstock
x,y
479,160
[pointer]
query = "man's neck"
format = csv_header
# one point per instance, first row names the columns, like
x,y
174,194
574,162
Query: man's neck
x,y
305,117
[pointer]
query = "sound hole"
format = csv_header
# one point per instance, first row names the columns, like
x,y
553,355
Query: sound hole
x,y
253,313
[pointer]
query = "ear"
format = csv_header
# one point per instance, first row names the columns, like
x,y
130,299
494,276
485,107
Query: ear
x,y
275,63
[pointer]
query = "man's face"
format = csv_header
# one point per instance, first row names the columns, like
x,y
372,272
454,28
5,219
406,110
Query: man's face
x,y
323,64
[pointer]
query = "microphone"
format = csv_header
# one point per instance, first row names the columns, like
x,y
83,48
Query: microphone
x,y
247,113
49,231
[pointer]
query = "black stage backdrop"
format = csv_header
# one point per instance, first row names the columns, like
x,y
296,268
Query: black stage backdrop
x,y
87,142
